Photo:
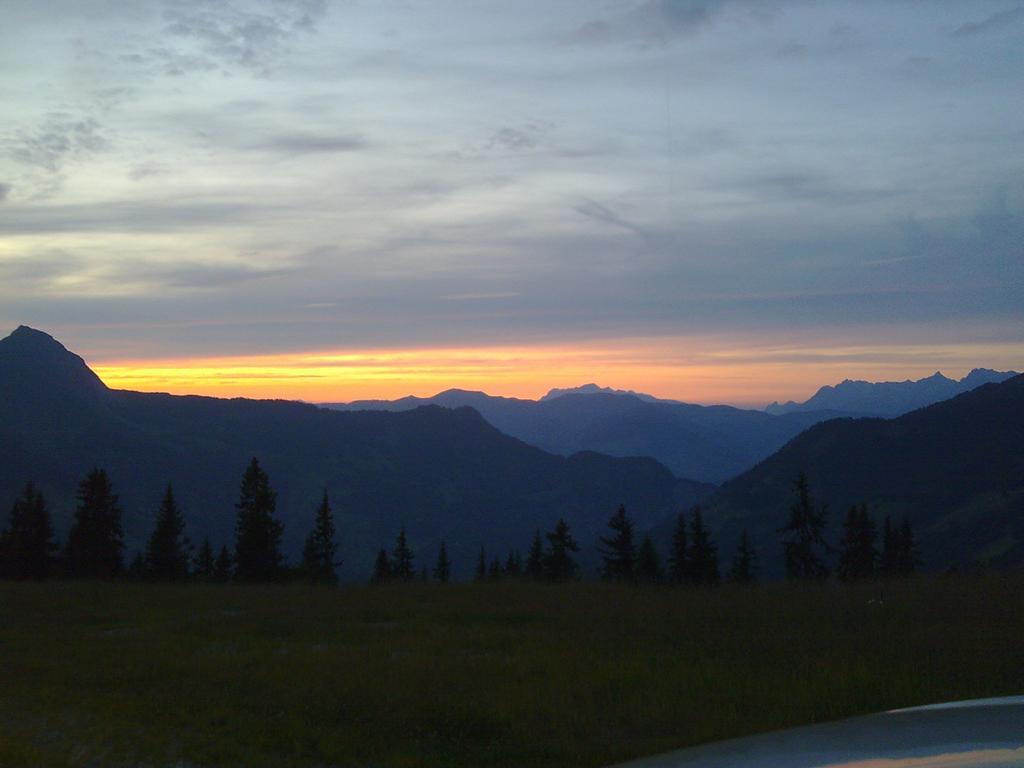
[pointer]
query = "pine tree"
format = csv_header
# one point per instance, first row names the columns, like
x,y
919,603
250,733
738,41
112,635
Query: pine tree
x,y
703,560
402,565
648,563
679,558
558,563
222,565
513,564
318,561
535,559
494,570
481,566
257,531
803,546
95,542
203,568
443,569
166,553
27,550
618,551
381,568
857,552
906,560
743,568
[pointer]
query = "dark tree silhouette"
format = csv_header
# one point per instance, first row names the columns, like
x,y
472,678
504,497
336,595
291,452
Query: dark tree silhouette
x,y
906,560
203,568
857,552
679,558
257,531
96,541
27,549
804,548
167,551
318,561
494,572
558,563
481,566
443,569
222,566
381,568
703,559
888,564
648,563
743,569
535,559
618,551
402,564
513,564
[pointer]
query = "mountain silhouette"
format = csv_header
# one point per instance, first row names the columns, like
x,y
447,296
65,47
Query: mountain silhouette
x,y
955,469
890,398
443,473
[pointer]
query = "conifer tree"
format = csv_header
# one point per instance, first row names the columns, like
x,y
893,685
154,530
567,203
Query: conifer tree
x,y
402,565
906,560
857,552
166,553
648,563
618,551
494,570
481,566
95,542
535,559
381,568
443,569
743,568
257,531
203,568
513,564
558,563
803,546
27,549
703,560
679,558
318,561
222,565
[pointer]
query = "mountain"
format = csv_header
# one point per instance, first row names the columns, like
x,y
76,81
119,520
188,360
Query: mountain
x,y
890,398
443,473
955,469
594,389
707,443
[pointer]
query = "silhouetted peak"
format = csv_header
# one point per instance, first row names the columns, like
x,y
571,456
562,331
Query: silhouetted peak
x,y
595,389
35,366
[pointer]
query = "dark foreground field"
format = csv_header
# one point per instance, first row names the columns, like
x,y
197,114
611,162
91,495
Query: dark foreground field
x,y
475,675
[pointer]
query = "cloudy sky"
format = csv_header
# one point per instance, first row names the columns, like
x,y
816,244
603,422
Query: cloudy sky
x,y
729,201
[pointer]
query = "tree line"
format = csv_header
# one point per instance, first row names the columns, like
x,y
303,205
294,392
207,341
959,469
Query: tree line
x,y
95,546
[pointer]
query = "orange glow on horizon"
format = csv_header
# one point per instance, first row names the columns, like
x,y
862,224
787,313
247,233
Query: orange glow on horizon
x,y
693,370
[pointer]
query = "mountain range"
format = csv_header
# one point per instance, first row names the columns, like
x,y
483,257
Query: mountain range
x,y
445,474
890,398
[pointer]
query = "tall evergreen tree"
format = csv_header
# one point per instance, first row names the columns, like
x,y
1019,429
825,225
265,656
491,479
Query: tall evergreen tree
x,y
381,568
494,572
804,548
648,563
27,549
743,568
257,531
535,559
96,541
203,568
558,563
481,566
679,558
443,569
703,560
222,565
857,552
167,551
906,560
318,561
402,565
618,551
513,564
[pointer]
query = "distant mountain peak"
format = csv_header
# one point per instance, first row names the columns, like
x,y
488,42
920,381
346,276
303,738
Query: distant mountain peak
x,y
35,366
595,389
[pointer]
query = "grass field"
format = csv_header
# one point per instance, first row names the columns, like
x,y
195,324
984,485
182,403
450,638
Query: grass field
x,y
474,675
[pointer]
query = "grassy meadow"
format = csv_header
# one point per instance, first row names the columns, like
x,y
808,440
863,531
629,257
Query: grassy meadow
x,y
501,674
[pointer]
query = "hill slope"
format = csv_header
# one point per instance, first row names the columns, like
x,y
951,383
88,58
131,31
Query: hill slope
x,y
956,469
445,474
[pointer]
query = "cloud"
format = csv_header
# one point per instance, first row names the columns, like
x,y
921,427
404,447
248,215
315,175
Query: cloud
x,y
38,269
659,21
194,274
594,210
804,186
305,143
990,23
5,190
59,137
126,216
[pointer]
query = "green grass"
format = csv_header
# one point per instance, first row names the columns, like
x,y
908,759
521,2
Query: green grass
x,y
474,675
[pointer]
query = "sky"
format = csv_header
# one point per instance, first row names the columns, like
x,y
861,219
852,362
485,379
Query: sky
x,y
717,201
